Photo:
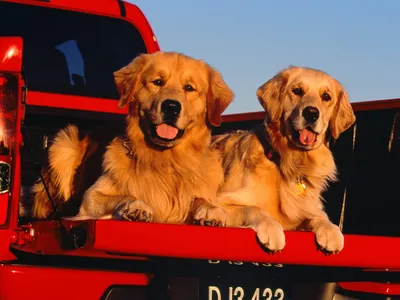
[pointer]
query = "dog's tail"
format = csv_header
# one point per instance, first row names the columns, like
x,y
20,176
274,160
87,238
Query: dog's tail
x,y
65,156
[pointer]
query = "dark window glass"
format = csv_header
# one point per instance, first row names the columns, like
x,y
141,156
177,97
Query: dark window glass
x,y
68,52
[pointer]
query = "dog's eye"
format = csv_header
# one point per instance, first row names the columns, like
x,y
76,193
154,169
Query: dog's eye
x,y
188,88
298,91
158,82
326,97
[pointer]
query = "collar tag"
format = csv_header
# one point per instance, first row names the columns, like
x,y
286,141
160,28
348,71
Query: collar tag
x,y
301,187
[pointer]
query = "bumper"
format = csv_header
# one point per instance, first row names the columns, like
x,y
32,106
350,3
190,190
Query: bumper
x,y
181,281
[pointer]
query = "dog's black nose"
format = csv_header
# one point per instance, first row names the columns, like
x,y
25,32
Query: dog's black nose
x,y
171,108
311,114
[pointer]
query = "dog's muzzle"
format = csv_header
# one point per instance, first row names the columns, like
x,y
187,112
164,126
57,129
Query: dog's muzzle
x,y
167,131
307,136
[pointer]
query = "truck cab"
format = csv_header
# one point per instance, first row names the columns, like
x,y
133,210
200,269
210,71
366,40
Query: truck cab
x,y
56,63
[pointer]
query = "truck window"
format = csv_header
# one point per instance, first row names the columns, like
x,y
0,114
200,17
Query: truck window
x,y
68,52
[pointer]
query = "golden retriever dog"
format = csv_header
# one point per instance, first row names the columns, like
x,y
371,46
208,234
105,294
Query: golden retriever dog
x,y
164,161
275,174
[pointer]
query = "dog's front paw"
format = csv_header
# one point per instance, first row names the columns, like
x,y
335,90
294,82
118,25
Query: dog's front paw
x,y
210,216
270,234
133,210
329,237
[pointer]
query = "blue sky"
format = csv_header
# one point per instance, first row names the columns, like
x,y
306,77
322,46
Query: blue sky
x,y
356,41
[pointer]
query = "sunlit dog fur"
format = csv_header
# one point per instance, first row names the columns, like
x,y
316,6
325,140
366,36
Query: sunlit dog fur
x,y
147,177
268,194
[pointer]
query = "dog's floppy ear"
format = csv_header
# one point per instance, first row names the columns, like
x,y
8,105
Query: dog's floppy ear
x,y
127,78
269,95
219,96
343,116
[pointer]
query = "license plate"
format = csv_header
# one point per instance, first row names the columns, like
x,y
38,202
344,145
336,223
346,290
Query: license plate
x,y
241,292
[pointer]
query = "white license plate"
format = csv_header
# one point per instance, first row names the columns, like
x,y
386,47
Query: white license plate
x,y
224,292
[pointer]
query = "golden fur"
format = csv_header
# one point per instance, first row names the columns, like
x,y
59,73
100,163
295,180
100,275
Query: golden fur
x,y
145,177
65,156
266,168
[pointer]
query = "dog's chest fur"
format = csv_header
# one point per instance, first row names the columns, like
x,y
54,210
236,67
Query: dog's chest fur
x,y
167,180
304,176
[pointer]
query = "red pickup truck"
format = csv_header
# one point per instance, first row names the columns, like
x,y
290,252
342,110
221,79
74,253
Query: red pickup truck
x,y
56,64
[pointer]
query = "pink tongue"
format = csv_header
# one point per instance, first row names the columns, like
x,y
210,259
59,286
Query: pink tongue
x,y
166,132
307,137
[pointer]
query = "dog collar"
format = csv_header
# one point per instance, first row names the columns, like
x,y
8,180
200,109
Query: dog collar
x,y
269,151
127,144
270,154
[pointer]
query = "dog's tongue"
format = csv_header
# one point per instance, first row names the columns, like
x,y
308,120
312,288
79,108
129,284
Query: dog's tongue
x,y
166,132
307,137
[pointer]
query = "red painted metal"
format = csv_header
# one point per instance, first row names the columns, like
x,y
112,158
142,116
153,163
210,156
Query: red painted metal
x,y
251,116
376,104
6,237
102,7
109,237
10,135
16,163
372,287
136,16
12,218
188,242
25,282
74,102
10,54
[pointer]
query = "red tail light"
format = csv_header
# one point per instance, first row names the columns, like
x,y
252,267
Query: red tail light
x,y
8,114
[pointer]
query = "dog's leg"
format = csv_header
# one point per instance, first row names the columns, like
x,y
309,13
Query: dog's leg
x,y
116,207
98,204
206,213
269,232
328,235
133,210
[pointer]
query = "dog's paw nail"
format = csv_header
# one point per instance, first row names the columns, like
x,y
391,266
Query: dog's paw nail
x,y
126,217
200,222
133,216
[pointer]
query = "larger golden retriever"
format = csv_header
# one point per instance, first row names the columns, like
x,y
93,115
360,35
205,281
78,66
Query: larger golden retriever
x,y
163,162
275,174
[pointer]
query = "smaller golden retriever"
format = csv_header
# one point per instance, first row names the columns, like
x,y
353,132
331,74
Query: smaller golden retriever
x,y
163,162
275,174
